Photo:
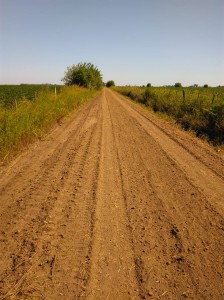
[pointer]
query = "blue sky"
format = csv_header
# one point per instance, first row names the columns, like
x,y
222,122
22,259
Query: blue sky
x,y
131,41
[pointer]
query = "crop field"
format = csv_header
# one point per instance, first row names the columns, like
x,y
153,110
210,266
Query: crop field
x,y
198,109
10,94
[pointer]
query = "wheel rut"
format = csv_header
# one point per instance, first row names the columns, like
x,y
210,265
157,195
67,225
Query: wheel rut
x,y
48,216
209,182
113,274
195,147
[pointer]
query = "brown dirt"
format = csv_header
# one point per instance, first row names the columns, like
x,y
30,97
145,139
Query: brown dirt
x,y
114,204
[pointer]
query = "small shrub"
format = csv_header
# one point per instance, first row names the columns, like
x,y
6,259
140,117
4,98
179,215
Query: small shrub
x,y
150,98
178,84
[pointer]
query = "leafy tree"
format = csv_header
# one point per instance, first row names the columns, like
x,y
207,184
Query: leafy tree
x,y
83,74
148,85
178,84
205,85
110,83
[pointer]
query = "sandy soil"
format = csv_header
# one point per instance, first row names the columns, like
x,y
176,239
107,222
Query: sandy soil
x,y
113,204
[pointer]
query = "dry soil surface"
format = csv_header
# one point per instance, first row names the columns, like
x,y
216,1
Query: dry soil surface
x,y
113,204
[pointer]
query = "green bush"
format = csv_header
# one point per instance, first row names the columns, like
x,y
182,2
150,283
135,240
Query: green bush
x,y
83,74
178,84
110,83
150,98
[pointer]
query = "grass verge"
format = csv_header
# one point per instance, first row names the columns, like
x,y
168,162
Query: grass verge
x,y
200,110
28,120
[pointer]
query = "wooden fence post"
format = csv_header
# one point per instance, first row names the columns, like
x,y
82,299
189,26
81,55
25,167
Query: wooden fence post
x,y
184,96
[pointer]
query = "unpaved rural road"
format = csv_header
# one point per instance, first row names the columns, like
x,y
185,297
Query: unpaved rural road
x,y
113,204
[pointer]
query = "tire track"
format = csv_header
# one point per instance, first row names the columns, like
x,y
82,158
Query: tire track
x,y
40,163
198,173
71,232
164,153
180,139
143,293
31,226
112,268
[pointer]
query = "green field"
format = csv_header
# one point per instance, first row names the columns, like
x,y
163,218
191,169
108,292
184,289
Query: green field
x,y
10,94
196,108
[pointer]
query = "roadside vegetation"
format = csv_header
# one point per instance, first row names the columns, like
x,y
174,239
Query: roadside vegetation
x,y
28,111
24,120
200,109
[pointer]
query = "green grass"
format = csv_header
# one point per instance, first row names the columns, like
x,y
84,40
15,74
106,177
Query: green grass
x,y
22,123
198,109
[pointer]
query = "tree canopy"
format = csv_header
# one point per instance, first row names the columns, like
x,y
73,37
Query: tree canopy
x,y
83,74
110,83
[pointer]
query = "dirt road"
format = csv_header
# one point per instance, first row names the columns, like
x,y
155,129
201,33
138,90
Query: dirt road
x,y
113,204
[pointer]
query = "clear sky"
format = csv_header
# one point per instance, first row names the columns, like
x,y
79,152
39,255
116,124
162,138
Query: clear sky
x,y
131,41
